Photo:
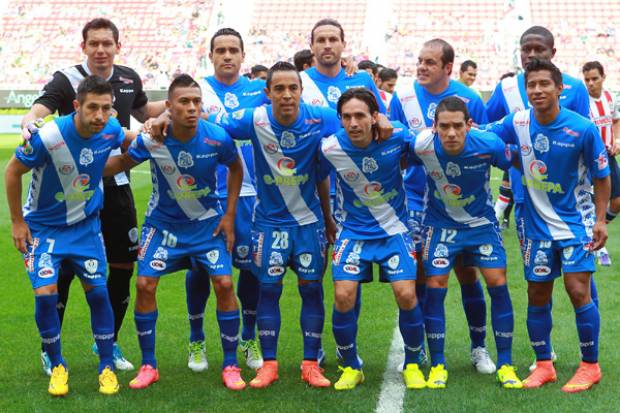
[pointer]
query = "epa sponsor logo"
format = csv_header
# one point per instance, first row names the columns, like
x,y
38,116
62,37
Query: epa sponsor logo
x,y
186,183
86,156
542,270
441,262
372,189
351,269
305,259
213,256
452,191
66,169
538,169
486,249
275,271
369,165
158,265
185,159
271,148
286,166
91,266
46,272
80,182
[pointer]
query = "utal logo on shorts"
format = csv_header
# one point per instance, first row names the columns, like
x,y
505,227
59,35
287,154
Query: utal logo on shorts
x,y
305,259
213,256
91,266
486,249
393,262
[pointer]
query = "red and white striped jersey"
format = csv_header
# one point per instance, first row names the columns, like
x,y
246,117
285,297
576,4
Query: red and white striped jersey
x,y
386,97
603,111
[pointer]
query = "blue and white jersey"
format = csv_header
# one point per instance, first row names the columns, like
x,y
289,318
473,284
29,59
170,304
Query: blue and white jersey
x,y
217,98
510,96
458,194
66,185
371,197
285,159
415,106
183,174
557,161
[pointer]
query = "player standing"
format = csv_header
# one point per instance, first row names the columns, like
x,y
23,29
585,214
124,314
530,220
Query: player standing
x,y
118,217
414,105
560,152
60,221
184,225
374,230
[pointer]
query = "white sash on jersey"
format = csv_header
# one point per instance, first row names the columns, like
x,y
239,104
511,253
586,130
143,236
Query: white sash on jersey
x,y
512,94
412,109
425,150
311,94
291,195
61,156
162,156
557,227
383,213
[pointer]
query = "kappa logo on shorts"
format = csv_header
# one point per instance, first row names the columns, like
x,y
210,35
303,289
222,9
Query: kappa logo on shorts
x,y
91,266
305,259
351,269
440,262
486,249
568,252
243,251
393,262
441,251
158,265
213,256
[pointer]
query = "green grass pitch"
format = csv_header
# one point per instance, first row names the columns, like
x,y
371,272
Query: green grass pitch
x,y
23,386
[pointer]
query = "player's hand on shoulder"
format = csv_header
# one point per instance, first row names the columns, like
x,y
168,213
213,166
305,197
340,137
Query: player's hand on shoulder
x,y
21,236
157,127
349,66
384,127
32,128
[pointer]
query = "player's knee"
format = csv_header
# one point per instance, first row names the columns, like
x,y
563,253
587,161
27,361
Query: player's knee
x,y
579,294
406,298
539,294
46,290
344,299
223,285
146,286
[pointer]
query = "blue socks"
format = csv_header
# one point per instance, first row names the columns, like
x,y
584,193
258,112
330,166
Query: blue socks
x,y
48,322
229,332
420,292
268,318
145,327
411,324
312,318
588,328
475,311
344,326
539,324
593,291
435,321
248,288
102,324
197,288
503,323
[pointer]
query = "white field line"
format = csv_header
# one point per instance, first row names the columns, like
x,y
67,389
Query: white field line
x,y
393,389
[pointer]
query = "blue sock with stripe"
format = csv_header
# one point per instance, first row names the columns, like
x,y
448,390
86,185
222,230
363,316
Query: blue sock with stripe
x,y
102,324
411,324
344,327
593,291
476,312
539,324
588,328
435,321
145,328
229,333
48,322
502,318
247,290
268,318
312,318
197,289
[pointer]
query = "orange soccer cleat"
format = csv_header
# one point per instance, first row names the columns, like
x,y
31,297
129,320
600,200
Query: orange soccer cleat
x,y
586,376
542,374
266,375
312,374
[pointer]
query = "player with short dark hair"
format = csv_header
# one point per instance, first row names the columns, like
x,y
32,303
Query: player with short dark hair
x,y
303,59
258,72
60,220
468,72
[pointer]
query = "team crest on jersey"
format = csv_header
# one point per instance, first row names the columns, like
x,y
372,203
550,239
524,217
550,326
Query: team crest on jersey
x,y
541,144
453,170
185,160
275,258
351,176
430,112
270,148
333,94
86,156
393,262
541,258
369,165
441,251
287,140
45,260
91,266
486,249
230,100
168,168
568,252
238,114
243,251
305,259
213,256
161,254
353,259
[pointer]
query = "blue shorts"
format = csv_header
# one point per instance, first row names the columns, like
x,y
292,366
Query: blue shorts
x,y
352,259
302,248
482,246
166,248
243,231
80,246
546,260
416,228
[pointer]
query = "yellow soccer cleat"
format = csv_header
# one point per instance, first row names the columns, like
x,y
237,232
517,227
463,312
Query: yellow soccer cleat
x,y
108,383
349,379
59,382
413,377
507,377
438,377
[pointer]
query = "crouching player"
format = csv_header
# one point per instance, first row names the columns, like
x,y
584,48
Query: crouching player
x,y
460,218
60,221
373,230
184,222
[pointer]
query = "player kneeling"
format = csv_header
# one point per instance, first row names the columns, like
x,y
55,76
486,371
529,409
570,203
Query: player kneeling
x,y
459,219
60,220
374,230
184,221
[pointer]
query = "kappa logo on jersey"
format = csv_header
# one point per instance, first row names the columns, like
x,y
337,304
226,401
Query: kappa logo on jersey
x,y
185,159
271,148
287,140
486,249
541,258
393,262
305,259
333,94
213,256
351,176
541,144
430,113
65,169
441,251
168,169
161,254
568,252
230,100
86,156
286,166
45,260
276,258
453,170
91,266
369,165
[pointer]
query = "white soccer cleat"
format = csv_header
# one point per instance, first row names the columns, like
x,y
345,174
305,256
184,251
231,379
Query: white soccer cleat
x,y
481,360
197,359
120,362
603,257
252,353
46,363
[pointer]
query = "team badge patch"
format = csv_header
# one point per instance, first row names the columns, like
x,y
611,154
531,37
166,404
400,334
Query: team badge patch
x,y
333,94
305,259
453,170
441,251
230,100
213,256
541,144
486,249
369,165
393,262
287,140
86,156
185,159
91,266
